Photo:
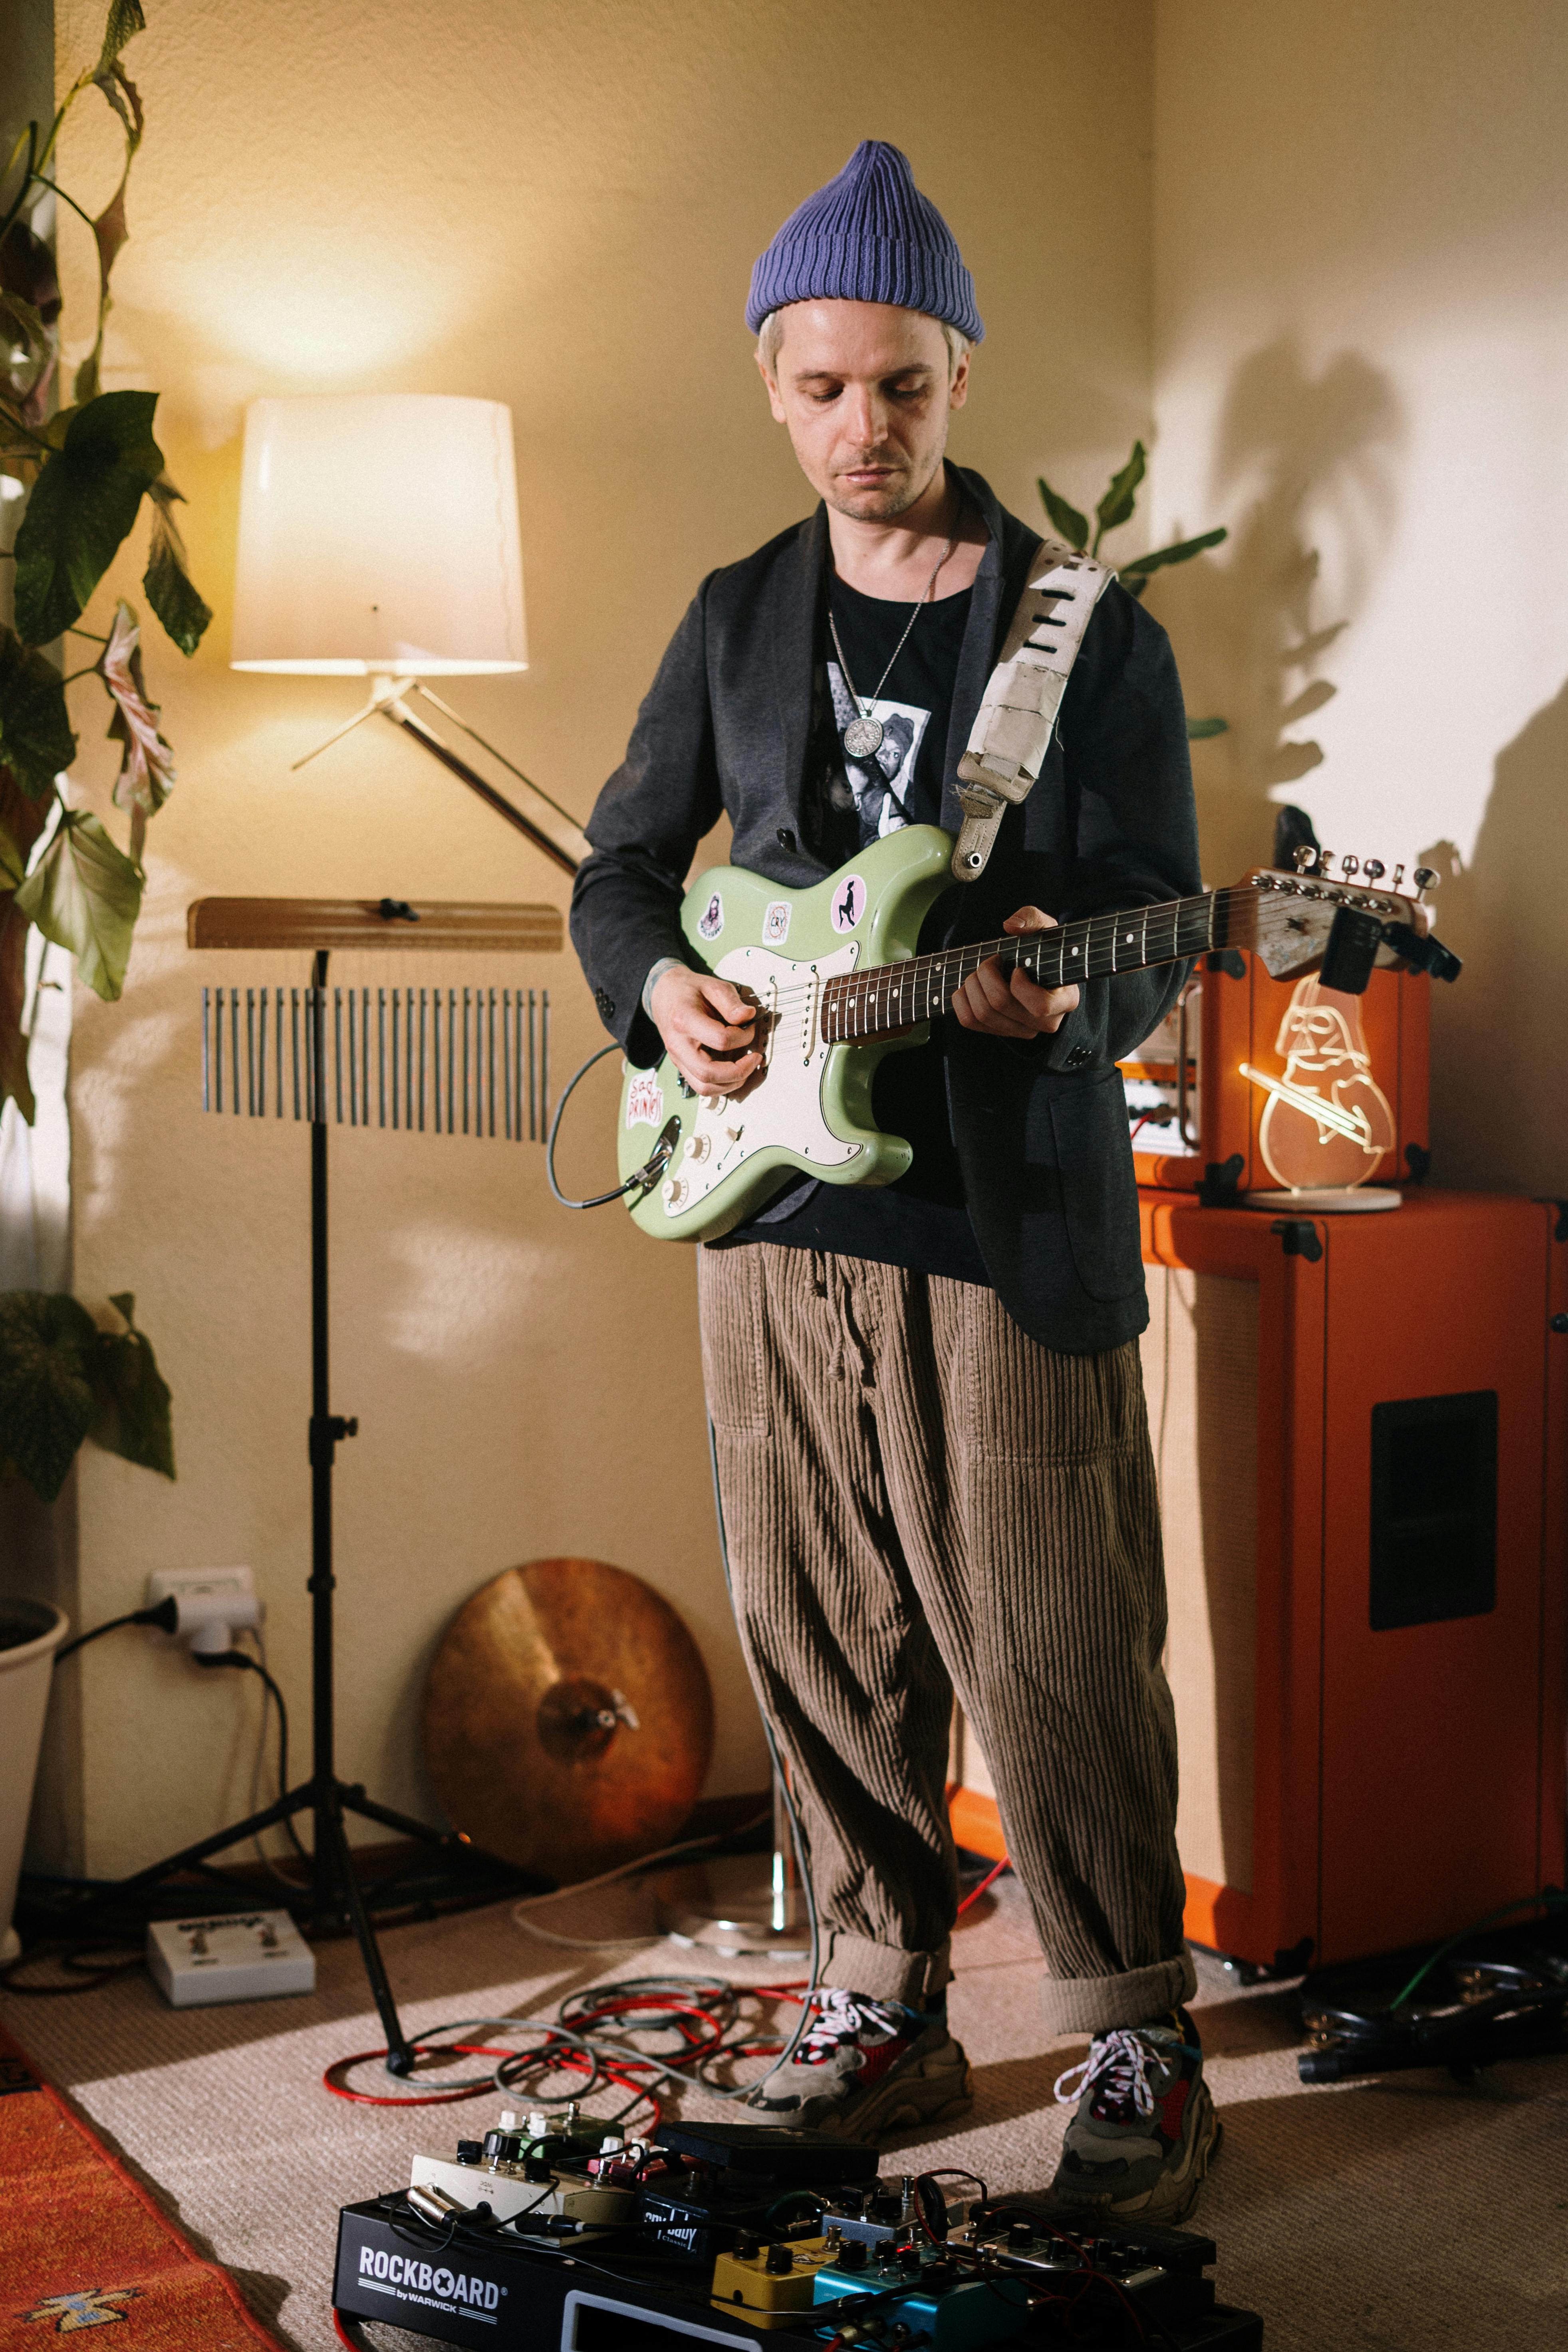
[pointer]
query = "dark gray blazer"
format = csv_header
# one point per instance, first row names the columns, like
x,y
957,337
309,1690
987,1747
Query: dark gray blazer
x,y
1040,1128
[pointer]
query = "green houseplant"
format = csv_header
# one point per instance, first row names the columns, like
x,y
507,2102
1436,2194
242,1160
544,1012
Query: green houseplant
x,y
1117,507
81,474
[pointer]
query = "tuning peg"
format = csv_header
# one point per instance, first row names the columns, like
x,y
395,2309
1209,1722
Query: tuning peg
x,y
1350,867
1374,869
1303,859
1425,878
1399,883
1325,862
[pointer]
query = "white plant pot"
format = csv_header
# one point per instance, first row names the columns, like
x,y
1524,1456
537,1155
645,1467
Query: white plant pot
x,y
30,1634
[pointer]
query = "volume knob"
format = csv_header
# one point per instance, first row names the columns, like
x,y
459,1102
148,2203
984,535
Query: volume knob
x,y
674,1193
698,1146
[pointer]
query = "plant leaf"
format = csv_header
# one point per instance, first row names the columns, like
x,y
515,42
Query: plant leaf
x,y
46,1397
1182,551
146,774
14,1084
125,20
31,288
85,895
35,739
83,504
1200,730
1116,507
1073,527
131,1413
171,590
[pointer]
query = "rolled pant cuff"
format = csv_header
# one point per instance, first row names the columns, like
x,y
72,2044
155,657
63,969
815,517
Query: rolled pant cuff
x,y
1095,2004
880,1971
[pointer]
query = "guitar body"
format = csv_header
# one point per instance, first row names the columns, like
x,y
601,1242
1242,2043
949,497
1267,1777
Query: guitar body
x,y
808,1112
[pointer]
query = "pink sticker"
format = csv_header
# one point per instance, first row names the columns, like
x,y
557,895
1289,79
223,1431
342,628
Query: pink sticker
x,y
848,902
645,1100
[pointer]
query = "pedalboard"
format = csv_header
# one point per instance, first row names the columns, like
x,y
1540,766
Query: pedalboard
x,y
562,2236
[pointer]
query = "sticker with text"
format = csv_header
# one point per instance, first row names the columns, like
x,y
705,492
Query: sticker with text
x,y
711,921
848,902
645,1100
775,921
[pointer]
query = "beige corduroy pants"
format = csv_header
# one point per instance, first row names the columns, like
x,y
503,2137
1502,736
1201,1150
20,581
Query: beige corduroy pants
x,y
919,1498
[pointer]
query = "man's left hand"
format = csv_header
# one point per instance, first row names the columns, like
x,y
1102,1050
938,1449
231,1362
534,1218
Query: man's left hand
x,y
1008,1003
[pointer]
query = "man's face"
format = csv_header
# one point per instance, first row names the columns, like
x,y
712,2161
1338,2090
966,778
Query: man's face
x,y
866,390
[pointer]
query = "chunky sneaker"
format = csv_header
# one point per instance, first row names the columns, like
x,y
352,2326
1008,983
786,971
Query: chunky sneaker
x,y
1145,2126
866,2066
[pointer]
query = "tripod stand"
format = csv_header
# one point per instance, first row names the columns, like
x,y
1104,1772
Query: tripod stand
x,y
333,1894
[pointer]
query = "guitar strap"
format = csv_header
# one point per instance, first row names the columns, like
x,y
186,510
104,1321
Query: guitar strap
x,y
1017,715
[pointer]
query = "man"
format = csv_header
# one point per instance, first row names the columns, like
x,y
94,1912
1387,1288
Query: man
x,y
933,1456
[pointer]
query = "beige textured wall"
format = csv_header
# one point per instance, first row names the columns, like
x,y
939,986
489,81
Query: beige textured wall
x,y
1360,218
556,205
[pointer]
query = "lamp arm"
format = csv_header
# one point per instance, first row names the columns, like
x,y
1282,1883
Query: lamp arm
x,y
401,716
510,766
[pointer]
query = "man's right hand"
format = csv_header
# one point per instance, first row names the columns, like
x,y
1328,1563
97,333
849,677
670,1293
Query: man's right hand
x,y
707,1027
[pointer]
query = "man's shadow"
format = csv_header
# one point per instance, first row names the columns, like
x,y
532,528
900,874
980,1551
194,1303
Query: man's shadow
x,y
1499,1112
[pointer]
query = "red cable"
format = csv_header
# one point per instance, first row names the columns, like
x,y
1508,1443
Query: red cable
x,y
990,1879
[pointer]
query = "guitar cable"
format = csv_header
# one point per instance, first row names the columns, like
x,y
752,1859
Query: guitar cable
x,y
643,1179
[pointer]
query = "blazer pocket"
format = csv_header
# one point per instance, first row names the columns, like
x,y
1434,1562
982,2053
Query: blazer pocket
x,y
1100,1187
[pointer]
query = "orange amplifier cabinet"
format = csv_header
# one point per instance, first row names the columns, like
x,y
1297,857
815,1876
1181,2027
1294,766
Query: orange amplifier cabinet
x,y
1360,1427
1208,1134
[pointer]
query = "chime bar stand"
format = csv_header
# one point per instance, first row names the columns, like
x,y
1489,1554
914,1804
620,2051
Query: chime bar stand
x,y
320,925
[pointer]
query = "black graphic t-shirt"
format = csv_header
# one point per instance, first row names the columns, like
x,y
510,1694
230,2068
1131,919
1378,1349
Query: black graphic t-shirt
x,y
920,1221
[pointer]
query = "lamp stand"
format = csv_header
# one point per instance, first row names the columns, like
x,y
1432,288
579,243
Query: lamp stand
x,y
386,702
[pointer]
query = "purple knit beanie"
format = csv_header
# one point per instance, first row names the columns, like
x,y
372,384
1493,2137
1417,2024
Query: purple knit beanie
x,y
869,235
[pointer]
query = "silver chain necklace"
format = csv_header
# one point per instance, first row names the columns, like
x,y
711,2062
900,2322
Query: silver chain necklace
x,y
862,738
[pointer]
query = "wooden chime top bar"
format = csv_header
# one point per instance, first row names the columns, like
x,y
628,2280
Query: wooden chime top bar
x,y
383,924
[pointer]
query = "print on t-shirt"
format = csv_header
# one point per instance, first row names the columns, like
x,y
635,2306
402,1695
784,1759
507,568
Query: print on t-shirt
x,y
880,784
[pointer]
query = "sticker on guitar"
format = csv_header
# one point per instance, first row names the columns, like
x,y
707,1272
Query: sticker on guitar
x,y
644,1099
848,902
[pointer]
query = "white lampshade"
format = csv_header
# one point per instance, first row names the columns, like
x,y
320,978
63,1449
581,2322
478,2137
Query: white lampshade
x,y
378,532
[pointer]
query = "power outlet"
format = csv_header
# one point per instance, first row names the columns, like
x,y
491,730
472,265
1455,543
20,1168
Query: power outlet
x,y
199,1583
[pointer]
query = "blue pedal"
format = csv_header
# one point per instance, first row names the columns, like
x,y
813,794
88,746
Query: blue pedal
x,y
944,2310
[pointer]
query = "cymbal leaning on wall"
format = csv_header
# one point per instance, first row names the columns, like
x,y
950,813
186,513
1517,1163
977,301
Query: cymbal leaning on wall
x,y
568,1718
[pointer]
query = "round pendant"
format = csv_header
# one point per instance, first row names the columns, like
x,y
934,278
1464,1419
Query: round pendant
x,y
863,738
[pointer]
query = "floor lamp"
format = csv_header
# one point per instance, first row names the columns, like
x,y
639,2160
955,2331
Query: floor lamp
x,y
378,539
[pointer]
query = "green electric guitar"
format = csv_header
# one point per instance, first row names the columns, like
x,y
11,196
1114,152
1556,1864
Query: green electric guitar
x,y
836,982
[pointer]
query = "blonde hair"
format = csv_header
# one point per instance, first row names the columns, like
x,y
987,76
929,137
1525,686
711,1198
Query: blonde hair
x,y
770,335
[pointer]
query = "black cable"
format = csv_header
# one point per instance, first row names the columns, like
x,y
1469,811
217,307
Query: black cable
x,y
242,1658
644,1179
166,1615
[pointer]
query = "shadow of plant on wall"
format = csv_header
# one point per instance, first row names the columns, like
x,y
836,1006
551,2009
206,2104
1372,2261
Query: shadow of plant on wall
x,y
1295,454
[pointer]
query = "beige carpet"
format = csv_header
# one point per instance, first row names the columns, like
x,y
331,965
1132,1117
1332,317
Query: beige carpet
x,y
1396,2216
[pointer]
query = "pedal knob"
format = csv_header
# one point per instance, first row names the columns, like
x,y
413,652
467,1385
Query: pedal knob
x,y
674,1191
469,2151
502,2147
698,1146
910,2261
853,2258
1020,2233
780,2262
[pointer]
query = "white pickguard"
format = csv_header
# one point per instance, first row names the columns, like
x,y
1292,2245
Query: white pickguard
x,y
783,1104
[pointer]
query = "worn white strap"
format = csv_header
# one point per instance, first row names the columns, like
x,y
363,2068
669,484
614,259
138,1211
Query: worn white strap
x,y
1012,732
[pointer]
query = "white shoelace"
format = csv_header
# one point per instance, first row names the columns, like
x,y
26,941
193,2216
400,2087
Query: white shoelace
x,y
1124,2063
842,2018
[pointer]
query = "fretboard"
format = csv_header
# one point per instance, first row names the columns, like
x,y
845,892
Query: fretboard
x,y
895,995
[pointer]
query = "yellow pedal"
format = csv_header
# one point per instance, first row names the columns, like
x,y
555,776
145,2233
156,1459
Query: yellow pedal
x,y
775,2285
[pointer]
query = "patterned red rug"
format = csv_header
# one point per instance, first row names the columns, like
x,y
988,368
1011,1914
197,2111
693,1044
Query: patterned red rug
x,y
83,2245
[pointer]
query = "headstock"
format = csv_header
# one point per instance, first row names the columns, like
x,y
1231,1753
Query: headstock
x,y
1293,917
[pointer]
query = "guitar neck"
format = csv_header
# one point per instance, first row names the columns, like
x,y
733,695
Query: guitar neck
x,y
894,997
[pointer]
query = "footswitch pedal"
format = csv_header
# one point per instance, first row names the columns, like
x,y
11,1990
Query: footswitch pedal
x,y
528,2175
917,2295
239,1956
